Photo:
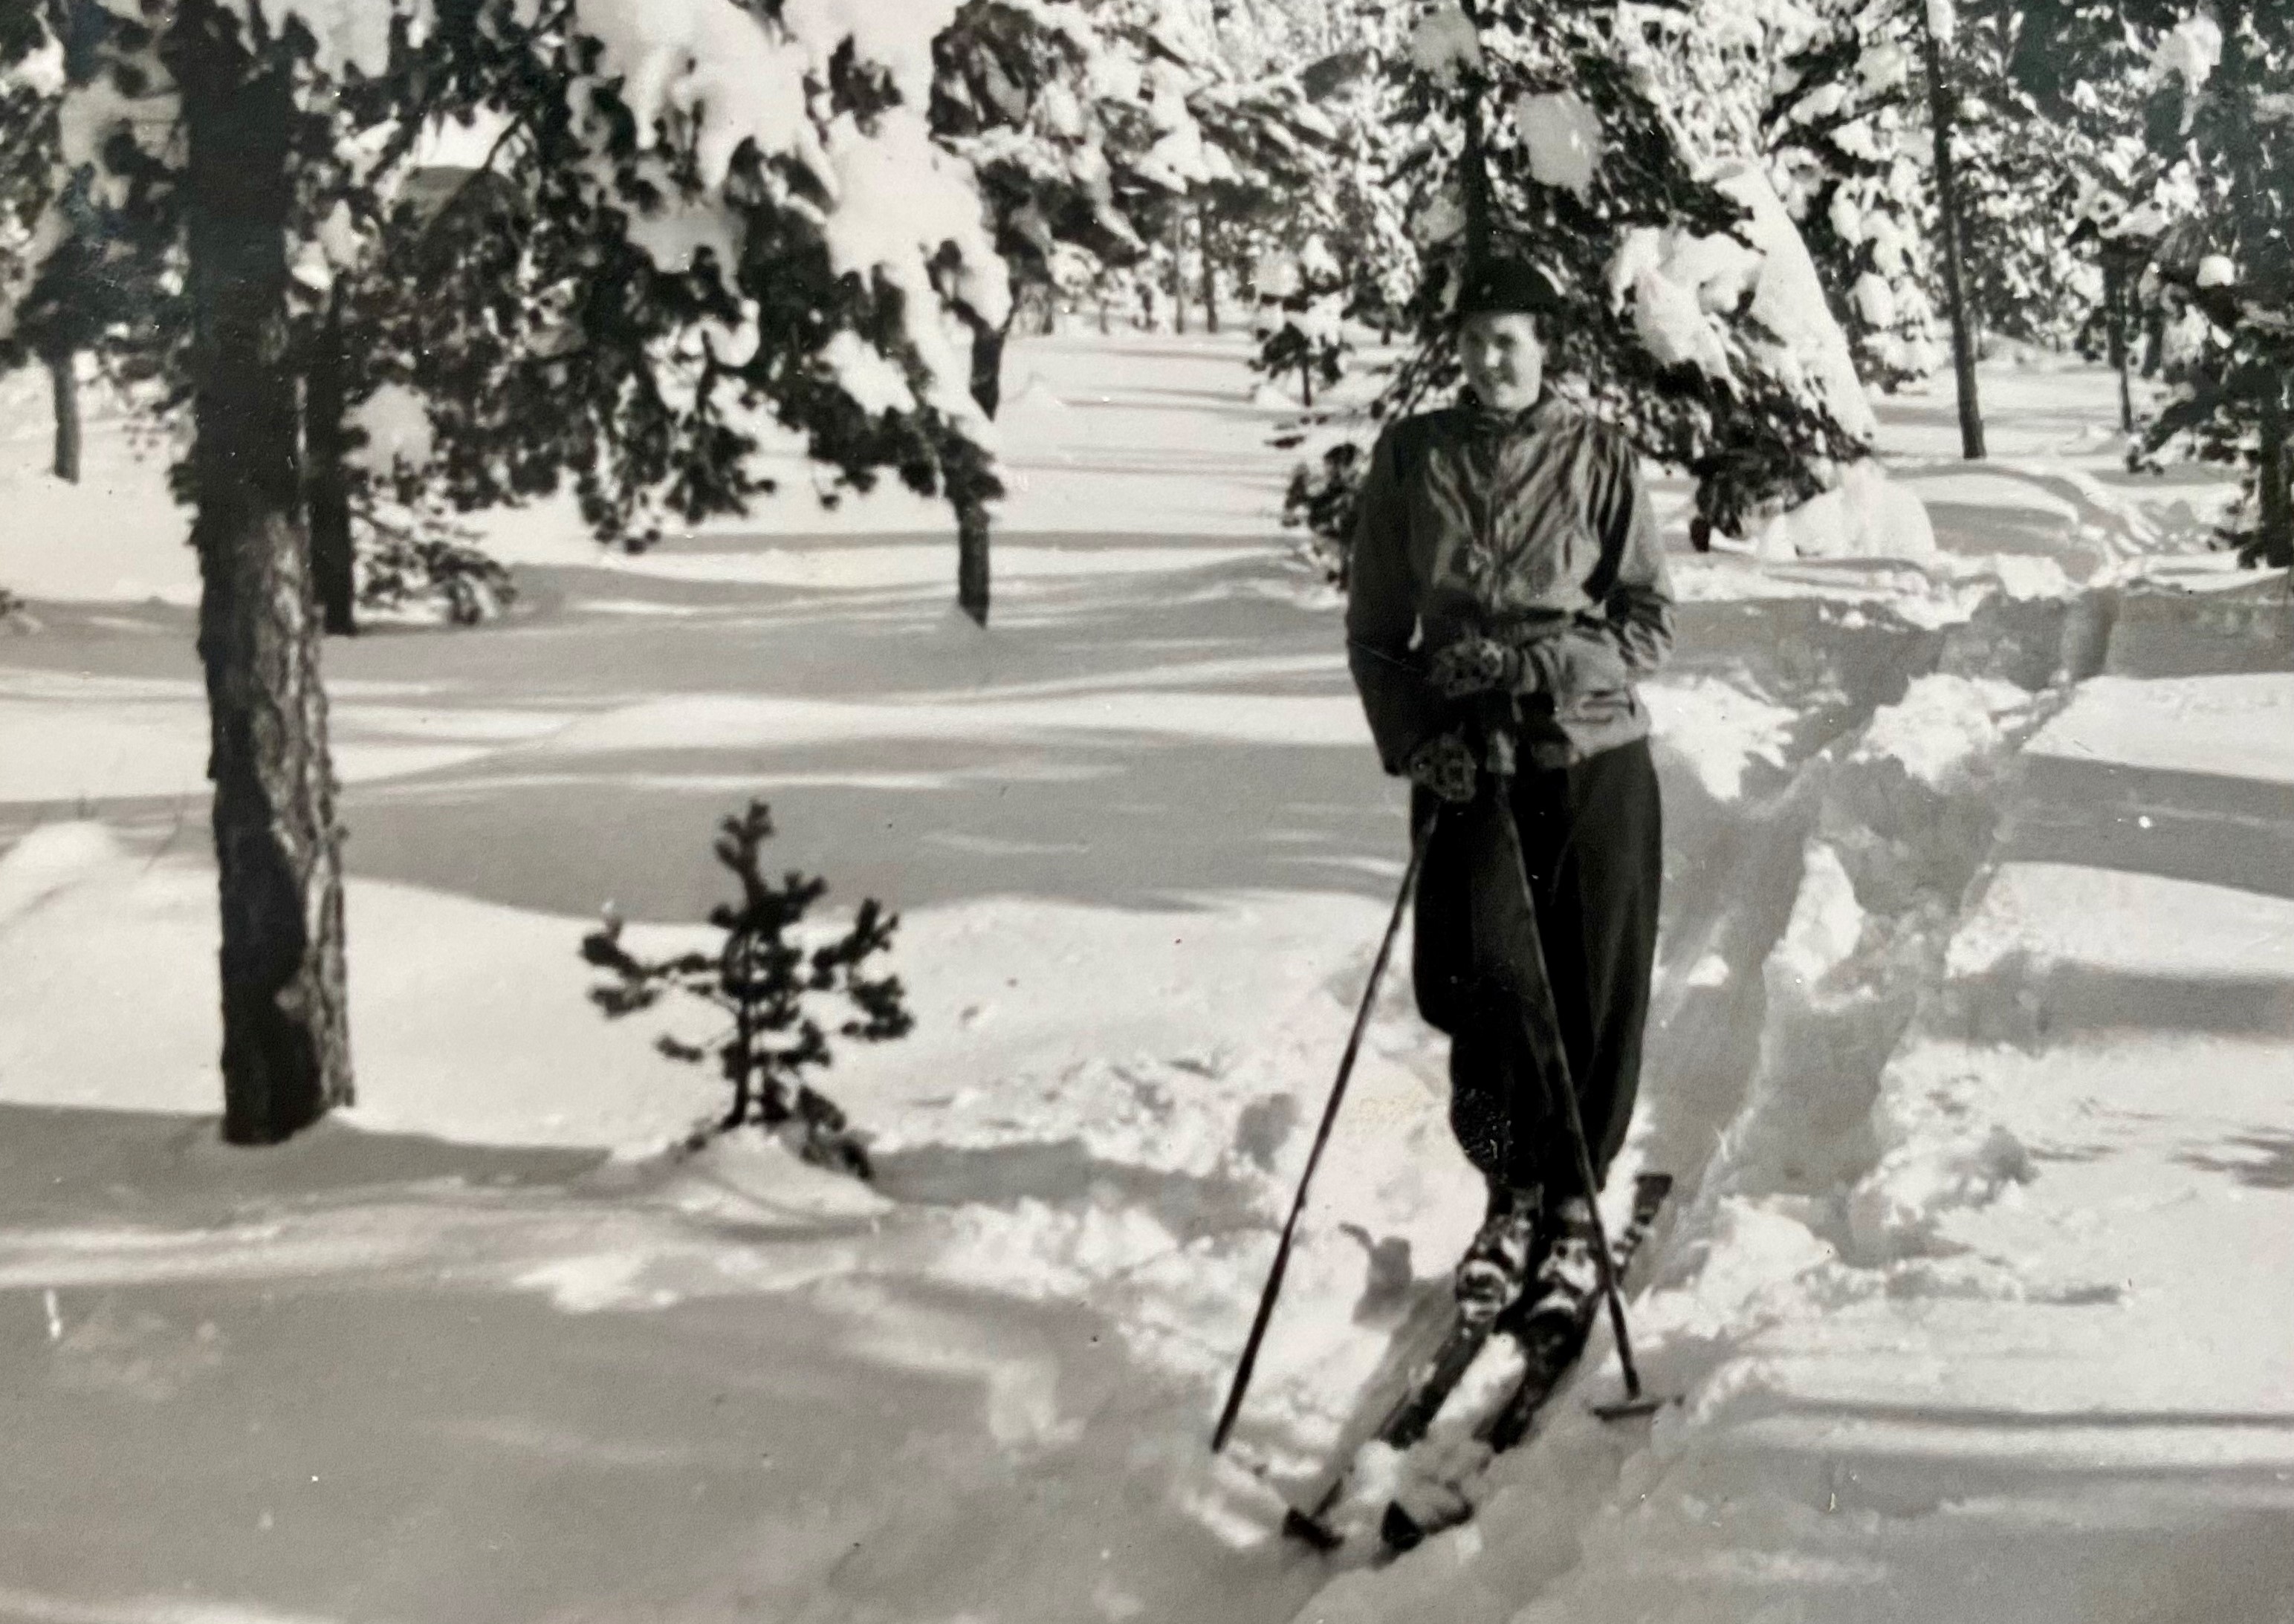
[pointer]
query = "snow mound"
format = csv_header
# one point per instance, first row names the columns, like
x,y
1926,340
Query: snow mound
x,y
1826,921
442,989
50,860
1719,728
747,1173
1942,1155
1941,728
1868,515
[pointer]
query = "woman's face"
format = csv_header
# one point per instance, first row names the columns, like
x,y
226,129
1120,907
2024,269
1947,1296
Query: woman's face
x,y
1504,358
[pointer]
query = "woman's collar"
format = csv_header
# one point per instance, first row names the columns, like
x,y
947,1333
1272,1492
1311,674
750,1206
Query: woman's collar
x,y
1525,417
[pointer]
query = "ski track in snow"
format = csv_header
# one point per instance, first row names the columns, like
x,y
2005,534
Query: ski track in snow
x,y
1961,908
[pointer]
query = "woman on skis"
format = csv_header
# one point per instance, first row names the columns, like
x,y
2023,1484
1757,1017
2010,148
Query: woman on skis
x,y
1507,588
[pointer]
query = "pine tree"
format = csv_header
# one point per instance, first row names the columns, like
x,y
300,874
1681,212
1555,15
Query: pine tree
x,y
2068,72
1302,308
770,984
1023,95
1535,137
2222,105
728,218
1824,98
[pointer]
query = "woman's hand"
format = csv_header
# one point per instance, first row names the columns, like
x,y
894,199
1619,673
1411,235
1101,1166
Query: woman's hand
x,y
1444,765
1476,665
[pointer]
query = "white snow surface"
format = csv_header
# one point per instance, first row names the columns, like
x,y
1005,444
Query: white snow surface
x,y
1972,1045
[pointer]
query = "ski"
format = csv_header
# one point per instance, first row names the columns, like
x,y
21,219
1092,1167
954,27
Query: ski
x,y
1431,1380
1437,1375
1549,1346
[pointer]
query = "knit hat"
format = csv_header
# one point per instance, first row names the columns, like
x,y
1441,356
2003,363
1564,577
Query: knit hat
x,y
1507,286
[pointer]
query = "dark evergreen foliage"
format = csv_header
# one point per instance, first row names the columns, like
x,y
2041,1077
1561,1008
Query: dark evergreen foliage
x,y
2231,403
769,983
1751,442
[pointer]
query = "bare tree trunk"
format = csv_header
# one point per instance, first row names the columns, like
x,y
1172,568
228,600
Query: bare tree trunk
x,y
327,485
1473,168
2114,313
969,483
1211,273
285,1044
63,389
988,341
2275,546
972,557
1179,271
1941,116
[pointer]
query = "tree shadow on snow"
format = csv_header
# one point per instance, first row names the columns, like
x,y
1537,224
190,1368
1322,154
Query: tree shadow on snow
x,y
2265,1162
2033,1003
2209,827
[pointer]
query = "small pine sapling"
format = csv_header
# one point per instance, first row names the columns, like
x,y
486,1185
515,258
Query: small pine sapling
x,y
767,983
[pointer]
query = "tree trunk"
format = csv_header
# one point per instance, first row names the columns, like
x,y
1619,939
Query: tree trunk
x,y
1941,116
327,485
1211,274
972,557
2114,314
1178,270
968,480
1473,166
286,1046
987,340
63,389
2275,545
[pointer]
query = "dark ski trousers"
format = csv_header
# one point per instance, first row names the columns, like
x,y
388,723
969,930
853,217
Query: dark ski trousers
x,y
1591,842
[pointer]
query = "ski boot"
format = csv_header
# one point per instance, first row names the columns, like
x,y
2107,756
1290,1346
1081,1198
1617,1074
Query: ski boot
x,y
1497,1266
1568,1276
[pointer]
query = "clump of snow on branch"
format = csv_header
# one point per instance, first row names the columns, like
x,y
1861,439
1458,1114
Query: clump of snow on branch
x,y
1682,286
902,197
898,199
2190,51
1561,135
1445,42
40,70
1788,300
346,33
896,35
875,384
714,62
396,423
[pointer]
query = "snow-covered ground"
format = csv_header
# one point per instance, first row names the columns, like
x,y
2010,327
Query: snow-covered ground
x,y
1975,1050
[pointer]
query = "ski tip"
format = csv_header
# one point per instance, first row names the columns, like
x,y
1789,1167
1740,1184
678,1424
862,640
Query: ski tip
x,y
1625,1409
1309,1531
1399,1529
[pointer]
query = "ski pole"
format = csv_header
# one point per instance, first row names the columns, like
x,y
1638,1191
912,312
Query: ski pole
x,y
1634,1403
1574,1118
1419,837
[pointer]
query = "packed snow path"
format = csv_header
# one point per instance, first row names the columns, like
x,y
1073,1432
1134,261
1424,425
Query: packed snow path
x,y
1143,854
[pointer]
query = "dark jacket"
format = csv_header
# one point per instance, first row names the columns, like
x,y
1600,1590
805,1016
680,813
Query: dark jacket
x,y
1532,527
